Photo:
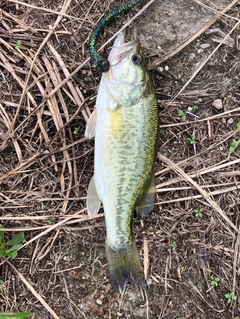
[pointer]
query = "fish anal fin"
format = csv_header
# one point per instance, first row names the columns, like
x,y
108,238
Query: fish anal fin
x,y
125,266
91,125
146,203
93,200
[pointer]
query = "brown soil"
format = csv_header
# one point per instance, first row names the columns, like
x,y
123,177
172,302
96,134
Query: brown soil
x,y
46,164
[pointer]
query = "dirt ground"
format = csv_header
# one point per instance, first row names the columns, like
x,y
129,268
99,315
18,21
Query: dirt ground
x,y
48,88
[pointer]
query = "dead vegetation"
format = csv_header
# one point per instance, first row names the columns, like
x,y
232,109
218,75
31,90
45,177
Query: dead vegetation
x,y
47,91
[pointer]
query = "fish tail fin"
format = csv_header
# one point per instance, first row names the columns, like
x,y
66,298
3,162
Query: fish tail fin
x,y
125,266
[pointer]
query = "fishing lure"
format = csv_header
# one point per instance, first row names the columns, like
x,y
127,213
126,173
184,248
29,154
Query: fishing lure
x,y
101,63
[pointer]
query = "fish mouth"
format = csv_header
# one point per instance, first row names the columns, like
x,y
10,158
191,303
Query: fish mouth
x,y
120,40
121,49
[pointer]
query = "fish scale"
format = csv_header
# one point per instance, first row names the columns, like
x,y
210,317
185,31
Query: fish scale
x,y
124,181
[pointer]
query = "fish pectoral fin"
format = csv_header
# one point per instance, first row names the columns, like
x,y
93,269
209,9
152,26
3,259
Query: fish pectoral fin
x,y
113,106
146,203
93,200
91,125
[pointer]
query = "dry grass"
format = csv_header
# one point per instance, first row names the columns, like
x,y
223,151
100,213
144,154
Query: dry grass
x,y
45,169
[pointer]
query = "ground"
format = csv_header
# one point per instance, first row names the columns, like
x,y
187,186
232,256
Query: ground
x,y
189,244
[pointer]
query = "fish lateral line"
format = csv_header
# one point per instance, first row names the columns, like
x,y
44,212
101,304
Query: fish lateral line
x,y
101,63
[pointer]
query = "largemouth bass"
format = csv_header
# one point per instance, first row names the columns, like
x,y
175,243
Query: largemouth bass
x,y
125,125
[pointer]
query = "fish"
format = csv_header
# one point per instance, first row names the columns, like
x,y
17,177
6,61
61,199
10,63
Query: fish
x,y
126,129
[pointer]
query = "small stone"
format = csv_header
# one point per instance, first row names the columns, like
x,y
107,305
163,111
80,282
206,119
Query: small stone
x,y
192,56
205,45
99,302
218,104
66,258
160,69
166,68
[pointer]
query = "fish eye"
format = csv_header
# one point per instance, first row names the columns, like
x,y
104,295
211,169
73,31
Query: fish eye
x,y
137,59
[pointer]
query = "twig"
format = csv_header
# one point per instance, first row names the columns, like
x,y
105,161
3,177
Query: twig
x,y
34,292
188,179
157,62
183,199
204,62
64,9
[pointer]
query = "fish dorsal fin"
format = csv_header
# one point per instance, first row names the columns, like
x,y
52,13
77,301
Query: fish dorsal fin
x,y
93,200
146,203
91,125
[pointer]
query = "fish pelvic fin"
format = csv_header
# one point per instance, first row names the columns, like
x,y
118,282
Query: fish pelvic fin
x,y
93,200
125,266
146,203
